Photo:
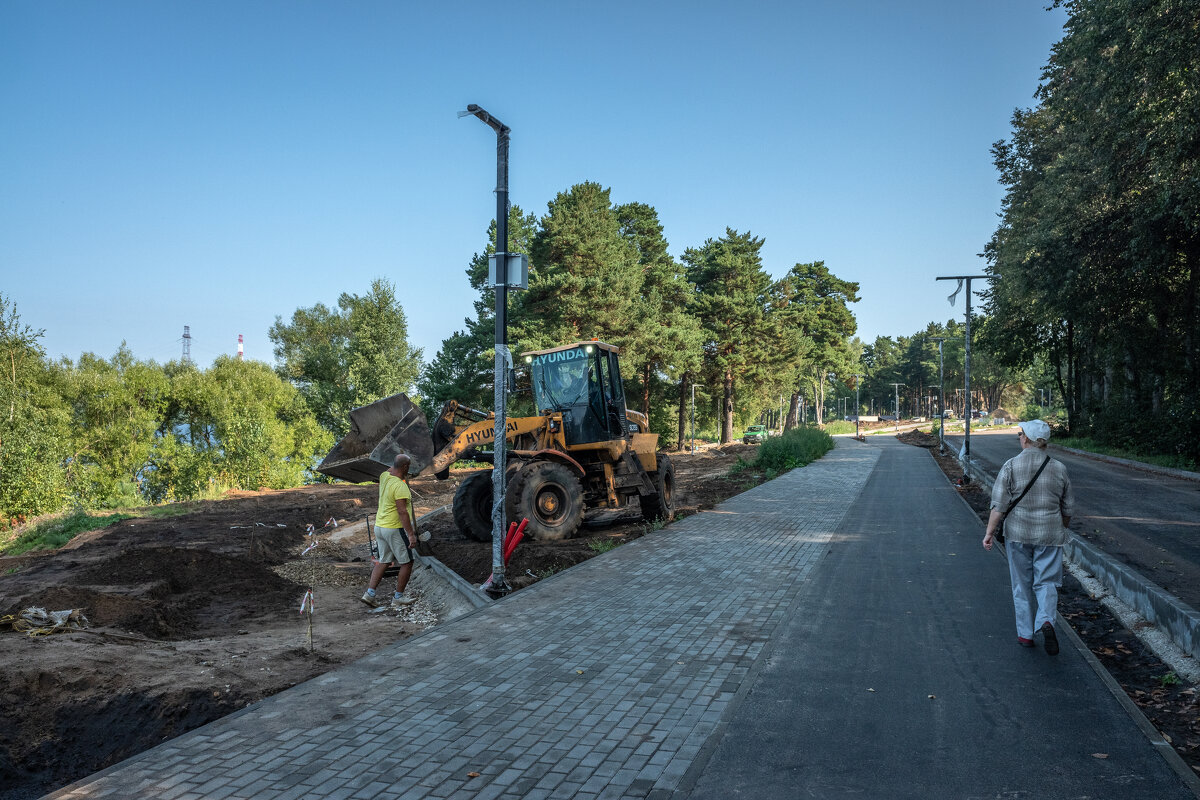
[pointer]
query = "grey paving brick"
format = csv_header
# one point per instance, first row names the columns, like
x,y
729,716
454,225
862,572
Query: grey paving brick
x,y
662,658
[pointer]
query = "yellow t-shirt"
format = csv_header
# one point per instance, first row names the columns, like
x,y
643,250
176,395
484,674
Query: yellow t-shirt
x,y
392,489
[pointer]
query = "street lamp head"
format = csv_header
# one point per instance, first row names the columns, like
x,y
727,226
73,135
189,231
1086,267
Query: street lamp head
x,y
492,122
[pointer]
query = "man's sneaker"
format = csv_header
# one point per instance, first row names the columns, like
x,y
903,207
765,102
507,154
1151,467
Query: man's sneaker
x,y
1051,639
403,600
372,600
1021,640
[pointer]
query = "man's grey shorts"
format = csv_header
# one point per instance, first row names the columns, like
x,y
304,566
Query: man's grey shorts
x,y
391,545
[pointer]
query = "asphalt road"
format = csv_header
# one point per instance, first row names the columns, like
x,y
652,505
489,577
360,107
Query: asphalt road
x,y
898,675
1148,521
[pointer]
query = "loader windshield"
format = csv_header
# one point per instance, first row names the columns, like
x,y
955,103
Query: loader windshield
x,y
560,379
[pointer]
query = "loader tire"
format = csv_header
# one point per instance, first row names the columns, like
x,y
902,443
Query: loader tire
x,y
473,507
550,496
661,504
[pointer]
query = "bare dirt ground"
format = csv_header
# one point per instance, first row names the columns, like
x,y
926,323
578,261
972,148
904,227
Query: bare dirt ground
x,y
1173,708
196,616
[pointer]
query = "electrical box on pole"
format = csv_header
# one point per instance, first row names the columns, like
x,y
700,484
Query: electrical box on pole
x,y
517,270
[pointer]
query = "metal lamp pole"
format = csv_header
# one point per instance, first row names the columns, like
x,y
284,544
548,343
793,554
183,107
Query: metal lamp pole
x,y
896,388
941,395
857,405
503,359
966,369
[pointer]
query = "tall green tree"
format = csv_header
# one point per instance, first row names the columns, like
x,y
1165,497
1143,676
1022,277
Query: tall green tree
x,y
1099,242
816,323
733,293
32,423
347,357
117,406
670,339
237,424
588,277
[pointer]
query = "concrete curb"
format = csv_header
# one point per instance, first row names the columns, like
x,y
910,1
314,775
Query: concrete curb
x,y
1126,462
454,581
1177,619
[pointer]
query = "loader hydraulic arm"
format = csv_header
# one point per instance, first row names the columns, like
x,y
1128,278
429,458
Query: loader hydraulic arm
x,y
482,432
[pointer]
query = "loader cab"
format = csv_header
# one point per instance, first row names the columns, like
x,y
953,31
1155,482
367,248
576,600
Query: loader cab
x,y
583,381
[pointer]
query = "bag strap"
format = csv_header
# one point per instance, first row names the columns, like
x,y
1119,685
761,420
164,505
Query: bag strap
x,y
1028,486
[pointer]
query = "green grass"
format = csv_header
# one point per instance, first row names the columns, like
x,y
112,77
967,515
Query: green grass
x,y
838,426
1092,446
54,532
603,545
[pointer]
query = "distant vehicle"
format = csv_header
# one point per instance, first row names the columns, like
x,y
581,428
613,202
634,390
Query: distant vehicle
x,y
976,413
948,414
755,434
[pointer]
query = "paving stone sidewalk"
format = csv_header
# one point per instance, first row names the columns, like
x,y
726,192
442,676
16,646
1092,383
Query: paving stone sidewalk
x,y
605,681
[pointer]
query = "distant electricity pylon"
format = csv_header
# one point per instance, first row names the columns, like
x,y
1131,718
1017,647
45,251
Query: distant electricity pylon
x,y
239,347
187,344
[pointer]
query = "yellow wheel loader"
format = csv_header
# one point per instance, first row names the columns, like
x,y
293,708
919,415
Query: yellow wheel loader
x,y
585,450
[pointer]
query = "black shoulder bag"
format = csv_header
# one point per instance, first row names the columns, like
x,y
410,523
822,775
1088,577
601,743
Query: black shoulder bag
x,y
999,532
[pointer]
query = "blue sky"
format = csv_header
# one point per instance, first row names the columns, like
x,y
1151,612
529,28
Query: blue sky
x,y
219,164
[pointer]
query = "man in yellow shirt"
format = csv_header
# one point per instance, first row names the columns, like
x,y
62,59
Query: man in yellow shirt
x,y
396,532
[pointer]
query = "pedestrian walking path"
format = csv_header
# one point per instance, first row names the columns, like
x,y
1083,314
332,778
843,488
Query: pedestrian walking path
x,y
834,632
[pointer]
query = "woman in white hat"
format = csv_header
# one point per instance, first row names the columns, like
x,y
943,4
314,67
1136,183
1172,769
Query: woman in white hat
x,y
1032,495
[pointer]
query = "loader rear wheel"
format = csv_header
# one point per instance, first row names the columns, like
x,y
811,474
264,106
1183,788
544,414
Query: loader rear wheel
x,y
661,504
550,496
473,507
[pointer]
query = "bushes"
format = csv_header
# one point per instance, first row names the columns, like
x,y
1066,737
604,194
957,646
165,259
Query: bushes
x,y
795,448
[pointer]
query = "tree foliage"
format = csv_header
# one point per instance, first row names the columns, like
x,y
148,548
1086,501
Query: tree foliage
x,y
1097,250
347,357
32,423
733,293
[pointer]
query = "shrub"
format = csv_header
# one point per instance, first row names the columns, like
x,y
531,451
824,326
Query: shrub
x,y
797,447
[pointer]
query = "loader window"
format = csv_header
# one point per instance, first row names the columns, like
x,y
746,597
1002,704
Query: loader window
x,y
560,380
569,381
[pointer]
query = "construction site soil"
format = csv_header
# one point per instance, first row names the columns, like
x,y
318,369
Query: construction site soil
x,y
1170,704
195,616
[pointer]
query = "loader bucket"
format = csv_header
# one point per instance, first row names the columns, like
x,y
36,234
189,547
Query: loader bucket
x,y
378,432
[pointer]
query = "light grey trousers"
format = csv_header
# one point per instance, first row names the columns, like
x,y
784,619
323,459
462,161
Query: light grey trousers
x,y
1036,573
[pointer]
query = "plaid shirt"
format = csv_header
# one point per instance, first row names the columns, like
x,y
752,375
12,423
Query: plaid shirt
x,y
1037,519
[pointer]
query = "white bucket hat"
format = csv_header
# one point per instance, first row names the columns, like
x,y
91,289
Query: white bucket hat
x,y
1036,429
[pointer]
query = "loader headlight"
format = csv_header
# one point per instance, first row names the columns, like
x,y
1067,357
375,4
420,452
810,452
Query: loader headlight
x,y
587,348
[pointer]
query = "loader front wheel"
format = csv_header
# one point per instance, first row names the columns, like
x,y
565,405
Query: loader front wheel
x,y
550,496
473,507
661,504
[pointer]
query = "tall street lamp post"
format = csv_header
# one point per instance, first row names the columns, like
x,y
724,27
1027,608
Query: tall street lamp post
x,y
857,404
941,395
503,359
966,368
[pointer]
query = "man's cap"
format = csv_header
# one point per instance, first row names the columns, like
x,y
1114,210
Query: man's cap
x,y
1035,429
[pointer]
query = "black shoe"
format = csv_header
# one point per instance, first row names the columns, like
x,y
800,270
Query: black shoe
x,y
1051,638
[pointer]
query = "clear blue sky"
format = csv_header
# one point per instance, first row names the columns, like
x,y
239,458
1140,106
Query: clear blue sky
x,y
218,164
